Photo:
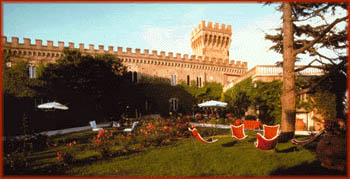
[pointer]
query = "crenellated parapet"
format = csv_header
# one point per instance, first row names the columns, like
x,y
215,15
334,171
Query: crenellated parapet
x,y
49,51
211,41
220,28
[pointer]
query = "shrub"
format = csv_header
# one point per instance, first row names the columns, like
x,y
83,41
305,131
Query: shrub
x,y
39,142
125,141
250,117
222,121
15,163
67,155
212,121
162,131
103,143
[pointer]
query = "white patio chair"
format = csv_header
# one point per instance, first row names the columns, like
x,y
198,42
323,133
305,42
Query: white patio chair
x,y
94,127
115,124
132,127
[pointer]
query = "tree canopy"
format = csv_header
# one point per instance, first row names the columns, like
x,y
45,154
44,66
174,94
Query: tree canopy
x,y
16,81
85,80
315,30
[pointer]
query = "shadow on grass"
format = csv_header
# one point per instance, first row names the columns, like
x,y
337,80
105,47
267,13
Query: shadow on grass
x,y
307,169
291,149
252,140
229,144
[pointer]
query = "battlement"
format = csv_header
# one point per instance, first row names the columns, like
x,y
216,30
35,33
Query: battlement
x,y
212,41
14,45
222,28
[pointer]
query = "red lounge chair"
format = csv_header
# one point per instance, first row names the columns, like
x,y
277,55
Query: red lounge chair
x,y
200,138
269,140
238,132
252,125
271,131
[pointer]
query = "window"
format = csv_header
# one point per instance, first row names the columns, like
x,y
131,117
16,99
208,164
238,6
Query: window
x,y
173,80
199,82
174,104
134,77
32,72
188,80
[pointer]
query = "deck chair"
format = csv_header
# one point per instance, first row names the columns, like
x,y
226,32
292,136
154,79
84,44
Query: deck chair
x,y
238,132
94,127
132,127
115,124
304,142
269,139
200,138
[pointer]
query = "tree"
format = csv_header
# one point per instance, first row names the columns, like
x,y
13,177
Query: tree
x,y
89,83
301,35
157,92
210,91
238,97
19,92
16,81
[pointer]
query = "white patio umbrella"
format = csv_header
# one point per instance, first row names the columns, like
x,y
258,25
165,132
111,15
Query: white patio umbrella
x,y
52,105
212,103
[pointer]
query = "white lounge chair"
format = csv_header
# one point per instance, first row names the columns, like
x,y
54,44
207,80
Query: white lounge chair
x,y
132,127
94,127
115,124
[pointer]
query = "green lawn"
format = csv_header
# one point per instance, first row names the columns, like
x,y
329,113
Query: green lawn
x,y
185,157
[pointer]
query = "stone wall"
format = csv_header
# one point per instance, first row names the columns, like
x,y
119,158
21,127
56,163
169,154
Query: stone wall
x,y
151,64
207,40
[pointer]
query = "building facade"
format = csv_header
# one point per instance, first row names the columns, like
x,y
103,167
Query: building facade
x,y
210,62
305,119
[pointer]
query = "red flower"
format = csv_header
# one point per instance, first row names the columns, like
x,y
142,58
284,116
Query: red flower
x,y
74,142
165,128
59,155
100,133
98,141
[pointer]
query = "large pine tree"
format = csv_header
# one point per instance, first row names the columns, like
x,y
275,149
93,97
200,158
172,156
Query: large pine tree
x,y
311,30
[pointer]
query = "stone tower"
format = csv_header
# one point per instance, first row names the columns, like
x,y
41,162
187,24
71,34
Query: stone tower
x,y
209,41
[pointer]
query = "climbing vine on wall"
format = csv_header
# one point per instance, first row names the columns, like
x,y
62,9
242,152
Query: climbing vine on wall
x,y
265,96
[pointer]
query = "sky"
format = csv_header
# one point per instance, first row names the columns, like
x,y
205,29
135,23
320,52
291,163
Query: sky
x,y
154,26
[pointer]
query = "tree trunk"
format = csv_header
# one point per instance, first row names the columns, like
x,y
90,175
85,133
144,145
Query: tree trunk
x,y
288,89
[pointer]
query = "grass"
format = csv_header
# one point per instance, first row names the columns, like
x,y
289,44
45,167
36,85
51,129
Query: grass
x,y
187,157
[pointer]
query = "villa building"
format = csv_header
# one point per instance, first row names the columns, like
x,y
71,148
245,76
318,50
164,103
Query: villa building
x,y
210,63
